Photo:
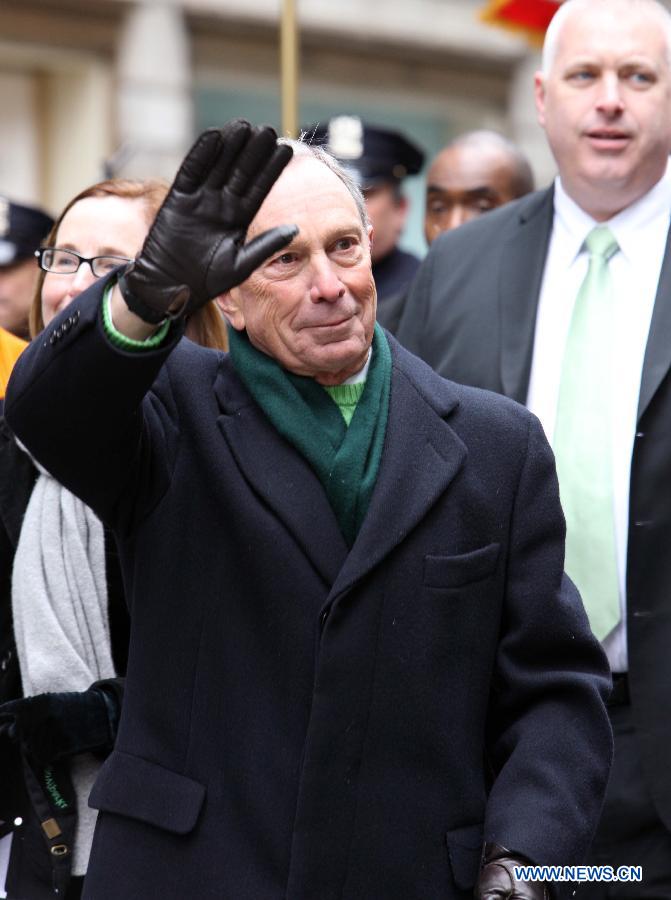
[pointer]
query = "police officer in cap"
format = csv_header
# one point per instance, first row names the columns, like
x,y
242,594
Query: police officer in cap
x,y
380,159
22,229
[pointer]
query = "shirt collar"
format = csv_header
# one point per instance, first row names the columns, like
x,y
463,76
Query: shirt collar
x,y
629,226
362,373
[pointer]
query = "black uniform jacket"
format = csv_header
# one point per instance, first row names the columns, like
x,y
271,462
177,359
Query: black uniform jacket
x,y
393,276
299,721
472,316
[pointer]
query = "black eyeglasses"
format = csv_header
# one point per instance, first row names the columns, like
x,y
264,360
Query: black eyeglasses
x,y
67,262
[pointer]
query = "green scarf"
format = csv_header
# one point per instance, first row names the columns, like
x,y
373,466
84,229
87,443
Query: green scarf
x,y
345,459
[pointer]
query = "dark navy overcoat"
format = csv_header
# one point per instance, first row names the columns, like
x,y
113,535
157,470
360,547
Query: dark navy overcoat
x,y
301,722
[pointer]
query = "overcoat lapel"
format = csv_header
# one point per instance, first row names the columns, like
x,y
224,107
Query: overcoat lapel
x,y
520,277
419,443
657,359
15,492
421,456
282,478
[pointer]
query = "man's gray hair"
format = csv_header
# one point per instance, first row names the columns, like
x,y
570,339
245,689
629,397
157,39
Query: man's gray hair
x,y
567,8
303,149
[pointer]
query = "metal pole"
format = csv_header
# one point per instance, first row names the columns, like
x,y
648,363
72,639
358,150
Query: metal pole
x,y
289,68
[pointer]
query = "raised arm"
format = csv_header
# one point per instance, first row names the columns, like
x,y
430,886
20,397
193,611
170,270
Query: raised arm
x,y
195,249
77,398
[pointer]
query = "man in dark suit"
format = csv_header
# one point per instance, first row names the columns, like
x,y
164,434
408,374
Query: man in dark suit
x,y
356,668
500,304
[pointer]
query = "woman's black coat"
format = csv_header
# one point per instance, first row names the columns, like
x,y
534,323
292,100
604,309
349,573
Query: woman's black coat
x,y
29,874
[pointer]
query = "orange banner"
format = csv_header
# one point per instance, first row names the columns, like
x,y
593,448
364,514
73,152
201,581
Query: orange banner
x,y
530,17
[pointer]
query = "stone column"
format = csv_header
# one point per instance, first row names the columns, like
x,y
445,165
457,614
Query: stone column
x,y
154,101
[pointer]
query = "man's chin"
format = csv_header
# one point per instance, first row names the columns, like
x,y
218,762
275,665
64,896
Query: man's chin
x,y
340,370
334,366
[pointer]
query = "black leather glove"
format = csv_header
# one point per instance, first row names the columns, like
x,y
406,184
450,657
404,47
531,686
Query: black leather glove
x,y
49,727
497,878
195,249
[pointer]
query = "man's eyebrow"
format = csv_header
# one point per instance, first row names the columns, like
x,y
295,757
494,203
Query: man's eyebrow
x,y
341,230
484,190
334,233
479,191
337,231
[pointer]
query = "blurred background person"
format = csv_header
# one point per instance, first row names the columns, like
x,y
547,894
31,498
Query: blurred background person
x,y
63,621
11,348
474,173
380,159
22,229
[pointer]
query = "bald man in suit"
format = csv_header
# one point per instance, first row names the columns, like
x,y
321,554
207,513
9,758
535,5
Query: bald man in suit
x,y
492,307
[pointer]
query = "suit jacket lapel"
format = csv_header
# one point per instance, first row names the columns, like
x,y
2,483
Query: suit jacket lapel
x,y
657,359
421,456
282,478
520,278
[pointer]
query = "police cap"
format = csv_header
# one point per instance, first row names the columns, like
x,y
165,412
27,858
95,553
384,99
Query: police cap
x,y
22,229
373,154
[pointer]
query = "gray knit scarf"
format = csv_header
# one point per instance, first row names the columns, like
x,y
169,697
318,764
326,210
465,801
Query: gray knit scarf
x,y
61,621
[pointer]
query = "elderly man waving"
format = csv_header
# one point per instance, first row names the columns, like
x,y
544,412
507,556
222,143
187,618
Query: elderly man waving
x,y
356,668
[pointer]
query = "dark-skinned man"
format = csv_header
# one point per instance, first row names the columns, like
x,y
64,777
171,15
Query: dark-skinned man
x,y
355,661
475,173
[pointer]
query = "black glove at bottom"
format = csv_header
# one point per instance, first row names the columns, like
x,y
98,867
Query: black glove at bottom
x,y
49,727
497,878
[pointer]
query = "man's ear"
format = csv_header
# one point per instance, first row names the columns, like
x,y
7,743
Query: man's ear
x,y
539,97
230,307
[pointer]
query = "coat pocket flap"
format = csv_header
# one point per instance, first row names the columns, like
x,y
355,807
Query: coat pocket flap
x,y
134,787
455,571
464,848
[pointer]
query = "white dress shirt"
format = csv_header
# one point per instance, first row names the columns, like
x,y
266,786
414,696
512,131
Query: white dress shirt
x,y
641,233
362,374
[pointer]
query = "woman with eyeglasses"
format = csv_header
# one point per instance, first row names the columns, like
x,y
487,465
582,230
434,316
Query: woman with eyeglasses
x,y
64,627
128,208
